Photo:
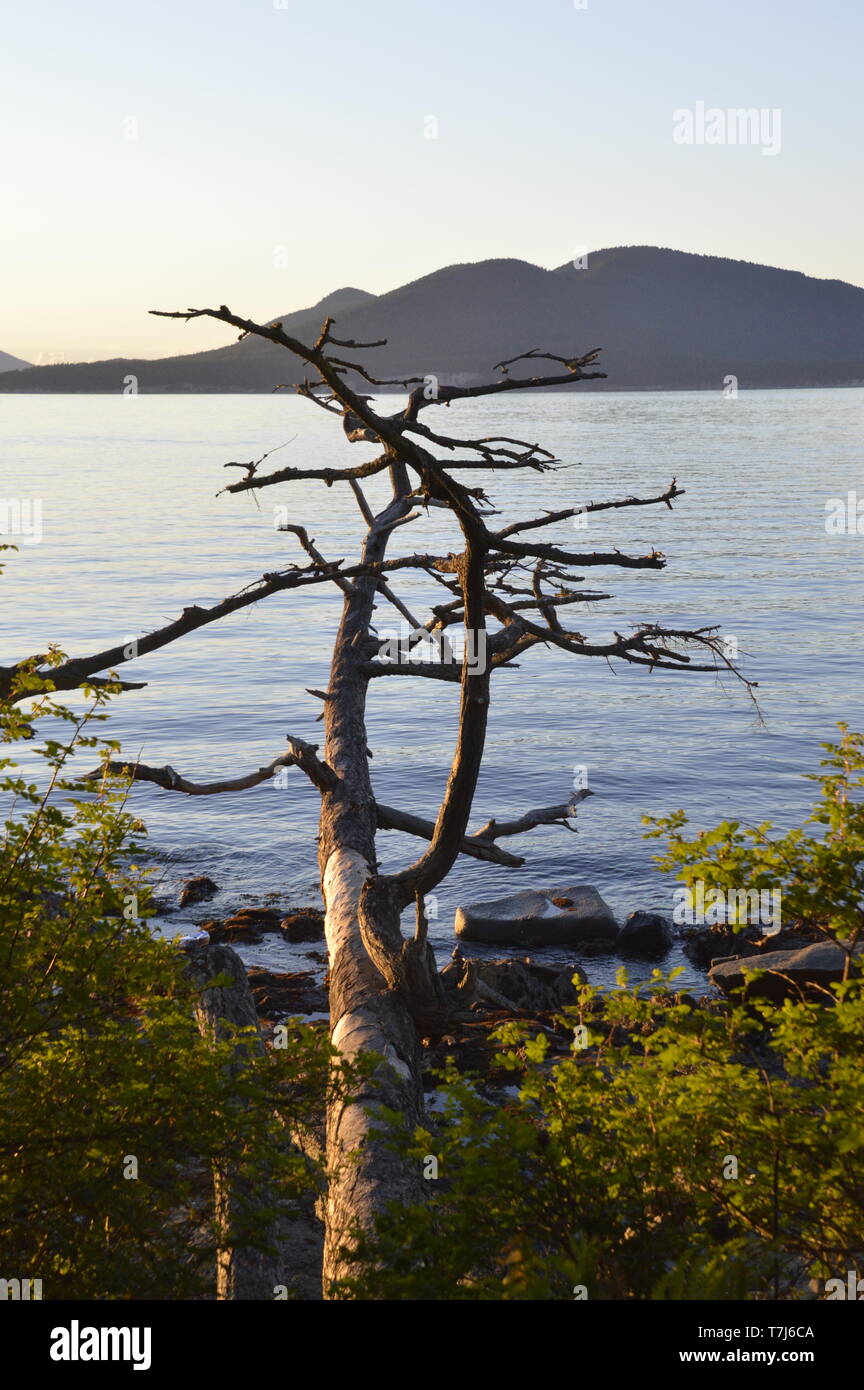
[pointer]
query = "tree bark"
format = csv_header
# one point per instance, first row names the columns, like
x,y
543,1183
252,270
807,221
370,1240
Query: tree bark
x,y
365,1015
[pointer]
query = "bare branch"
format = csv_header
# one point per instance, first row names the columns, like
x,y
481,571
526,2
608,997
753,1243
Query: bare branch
x,y
573,364
445,394
315,555
302,755
252,466
324,475
549,815
549,518
477,846
655,561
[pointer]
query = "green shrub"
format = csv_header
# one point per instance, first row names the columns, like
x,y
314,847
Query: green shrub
x,y
103,1070
710,1152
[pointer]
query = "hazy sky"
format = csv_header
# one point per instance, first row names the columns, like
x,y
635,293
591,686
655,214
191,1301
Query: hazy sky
x,y
183,152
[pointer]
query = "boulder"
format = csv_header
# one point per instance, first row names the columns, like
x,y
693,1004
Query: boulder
x,y
277,994
523,985
508,985
197,890
703,945
306,925
788,973
259,918
548,917
222,931
645,934
245,926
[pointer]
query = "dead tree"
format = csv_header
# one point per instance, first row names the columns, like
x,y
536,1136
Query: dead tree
x,y
505,590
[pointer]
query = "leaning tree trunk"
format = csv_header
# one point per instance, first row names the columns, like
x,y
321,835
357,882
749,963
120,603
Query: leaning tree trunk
x,y
365,1015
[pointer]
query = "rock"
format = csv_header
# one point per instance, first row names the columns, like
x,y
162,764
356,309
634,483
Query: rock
x,y
551,917
644,934
222,931
703,945
289,993
523,985
245,926
197,890
306,925
258,918
248,923
162,907
791,973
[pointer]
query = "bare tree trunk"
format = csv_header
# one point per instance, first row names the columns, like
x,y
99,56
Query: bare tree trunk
x,y
365,1015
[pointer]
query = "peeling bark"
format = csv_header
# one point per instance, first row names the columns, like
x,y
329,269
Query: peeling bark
x,y
365,1015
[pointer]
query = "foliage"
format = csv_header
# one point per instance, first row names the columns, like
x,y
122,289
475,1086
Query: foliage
x,y
101,1059
819,867
680,1151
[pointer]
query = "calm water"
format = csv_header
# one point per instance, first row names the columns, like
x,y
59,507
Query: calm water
x,y
133,532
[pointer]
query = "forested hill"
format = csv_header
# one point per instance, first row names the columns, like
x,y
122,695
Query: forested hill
x,y
665,319
8,363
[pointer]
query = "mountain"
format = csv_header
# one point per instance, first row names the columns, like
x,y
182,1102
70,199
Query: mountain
x,y
665,319
8,363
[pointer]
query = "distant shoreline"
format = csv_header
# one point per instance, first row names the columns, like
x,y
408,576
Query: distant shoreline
x,y
592,388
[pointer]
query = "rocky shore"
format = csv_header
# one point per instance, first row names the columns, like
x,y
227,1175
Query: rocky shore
x,y
574,916
486,992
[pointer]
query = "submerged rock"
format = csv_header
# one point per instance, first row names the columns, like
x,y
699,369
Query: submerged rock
x,y
197,890
245,926
549,917
788,973
162,907
249,923
306,925
645,934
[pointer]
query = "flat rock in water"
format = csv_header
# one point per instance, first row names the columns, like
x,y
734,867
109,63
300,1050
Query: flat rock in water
x,y
551,917
789,973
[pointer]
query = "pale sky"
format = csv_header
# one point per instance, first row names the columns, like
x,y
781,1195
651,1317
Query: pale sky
x,y
199,152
